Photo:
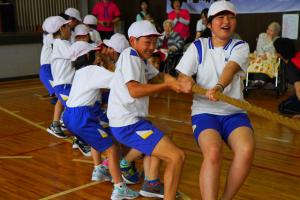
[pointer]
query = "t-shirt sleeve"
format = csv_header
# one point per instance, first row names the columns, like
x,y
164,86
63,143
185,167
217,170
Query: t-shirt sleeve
x,y
131,69
117,12
189,62
101,77
240,55
151,72
95,9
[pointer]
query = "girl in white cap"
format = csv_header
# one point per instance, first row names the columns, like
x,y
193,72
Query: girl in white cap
x,y
219,63
91,22
82,116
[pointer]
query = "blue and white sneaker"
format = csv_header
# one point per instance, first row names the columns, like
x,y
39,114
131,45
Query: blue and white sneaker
x,y
123,192
130,174
101,174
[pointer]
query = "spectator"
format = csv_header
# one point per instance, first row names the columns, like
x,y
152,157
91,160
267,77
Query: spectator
x,y
180,19
108,14
202,30
144,11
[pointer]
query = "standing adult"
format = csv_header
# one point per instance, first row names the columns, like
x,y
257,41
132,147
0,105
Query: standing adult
x,y
107,13
180,18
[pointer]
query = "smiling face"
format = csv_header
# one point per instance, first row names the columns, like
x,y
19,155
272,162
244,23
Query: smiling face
x,y
223,25
176,5
144,45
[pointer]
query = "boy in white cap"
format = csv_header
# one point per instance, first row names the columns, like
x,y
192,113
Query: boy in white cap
x,y
91,22
74,15
45,60
81,33
128,104
219,63
81,116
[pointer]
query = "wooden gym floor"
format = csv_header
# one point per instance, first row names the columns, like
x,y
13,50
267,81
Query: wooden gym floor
x,y
36,165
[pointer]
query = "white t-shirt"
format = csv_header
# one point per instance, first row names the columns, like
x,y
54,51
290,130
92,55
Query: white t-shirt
x,y
208,69
95,36
46,49
62,70
123,109
200,26
86,85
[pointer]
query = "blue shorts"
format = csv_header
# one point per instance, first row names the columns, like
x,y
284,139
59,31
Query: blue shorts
x,y
62,93
46,77
223,124
85,124
142,136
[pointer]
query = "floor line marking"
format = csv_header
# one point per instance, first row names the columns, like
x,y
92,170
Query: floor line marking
x,y
22,89
83,161
184,196
70,191
278,140
70,139
15,157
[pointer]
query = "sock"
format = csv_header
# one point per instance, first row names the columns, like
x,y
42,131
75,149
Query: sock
x,y
105,163
124,163
119,185
154,182
56,123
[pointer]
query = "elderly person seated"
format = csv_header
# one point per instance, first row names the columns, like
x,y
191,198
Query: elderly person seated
x,y
170,41
263,61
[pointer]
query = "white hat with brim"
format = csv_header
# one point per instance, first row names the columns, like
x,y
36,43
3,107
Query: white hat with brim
x,y
81,29
54,23
142,28
220,6
118,42
80,48
90,20
73,12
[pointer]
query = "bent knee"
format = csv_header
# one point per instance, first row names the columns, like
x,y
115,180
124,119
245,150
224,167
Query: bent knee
x,y
213,155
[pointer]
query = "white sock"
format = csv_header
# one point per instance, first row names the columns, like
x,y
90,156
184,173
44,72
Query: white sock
x,y
119,185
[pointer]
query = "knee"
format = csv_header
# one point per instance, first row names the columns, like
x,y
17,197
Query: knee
x,y
178,156
246,152
213,155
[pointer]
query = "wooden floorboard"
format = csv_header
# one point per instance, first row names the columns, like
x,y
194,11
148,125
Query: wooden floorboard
x,y
46,166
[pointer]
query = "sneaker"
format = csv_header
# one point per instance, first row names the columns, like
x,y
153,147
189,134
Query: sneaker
x,y
74,144
55,129
130,174
84,148
152,190
62,125
123,192
100,173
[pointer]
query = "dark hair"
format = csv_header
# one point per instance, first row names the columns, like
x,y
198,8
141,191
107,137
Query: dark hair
x,y
84,60
209,20
285,47
65,16
172,1
144,1
204,12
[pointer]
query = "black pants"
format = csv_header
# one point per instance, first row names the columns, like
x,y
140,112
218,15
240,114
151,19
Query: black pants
x,y
290,106
105,34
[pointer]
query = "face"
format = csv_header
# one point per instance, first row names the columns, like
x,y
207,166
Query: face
x,y
204,19
84,38
168,28
223,25
144,6
74,22
144,45
176,5
270,32
154,61
65,32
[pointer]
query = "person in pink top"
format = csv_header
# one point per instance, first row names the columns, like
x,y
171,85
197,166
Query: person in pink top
x,y
107,13
180,18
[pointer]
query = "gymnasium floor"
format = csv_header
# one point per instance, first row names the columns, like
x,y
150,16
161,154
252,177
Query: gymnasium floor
x,y
36,165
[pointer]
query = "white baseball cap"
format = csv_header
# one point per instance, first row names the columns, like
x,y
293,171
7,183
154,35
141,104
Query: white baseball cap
x,y
81,29
142,28
73,12
118,42
52,24
220,6
80,48
90,20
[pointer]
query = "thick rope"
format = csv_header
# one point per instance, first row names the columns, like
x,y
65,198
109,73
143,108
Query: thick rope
x,y
288,122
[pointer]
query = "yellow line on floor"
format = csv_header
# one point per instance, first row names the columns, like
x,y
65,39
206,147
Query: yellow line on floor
x,y
83,161
15,157
21,89
70,191
184,196
70,139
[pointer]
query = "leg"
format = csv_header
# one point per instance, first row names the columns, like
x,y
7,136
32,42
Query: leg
x,y
96,157
210,143
113,160
154,165
58,109
241,141
174,157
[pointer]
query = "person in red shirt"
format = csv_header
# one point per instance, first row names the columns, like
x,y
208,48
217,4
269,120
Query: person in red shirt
x,y
180,18
107,13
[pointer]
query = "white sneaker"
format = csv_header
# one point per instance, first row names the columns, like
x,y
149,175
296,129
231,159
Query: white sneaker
x,y
123,192
101,174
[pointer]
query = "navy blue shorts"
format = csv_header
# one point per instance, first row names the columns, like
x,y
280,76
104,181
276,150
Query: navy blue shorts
x,y
142,136
46,78
84,123
62,93
224,124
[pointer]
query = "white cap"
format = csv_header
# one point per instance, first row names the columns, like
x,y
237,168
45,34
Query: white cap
x,y
81,29
142,28
90,20
220,6
52,24
80,48
118,42
73,12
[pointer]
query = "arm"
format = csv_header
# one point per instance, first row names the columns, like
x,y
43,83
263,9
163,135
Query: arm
x,y
297,88
184,21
